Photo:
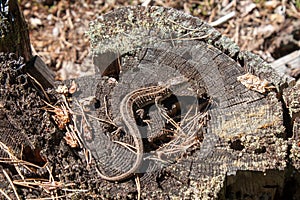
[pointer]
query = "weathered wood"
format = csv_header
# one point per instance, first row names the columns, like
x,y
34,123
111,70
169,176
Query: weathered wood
x,y
246,130
292,100
14,30
251,185
15,39
40,71
107,64
288,63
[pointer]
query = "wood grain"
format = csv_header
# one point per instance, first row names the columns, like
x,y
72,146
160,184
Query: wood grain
x,y
246,130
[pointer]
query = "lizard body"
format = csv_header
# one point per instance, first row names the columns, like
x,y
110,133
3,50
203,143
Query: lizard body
x,y
140,97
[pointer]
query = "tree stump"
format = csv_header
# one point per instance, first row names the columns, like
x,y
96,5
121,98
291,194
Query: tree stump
x,y
245,140
228,128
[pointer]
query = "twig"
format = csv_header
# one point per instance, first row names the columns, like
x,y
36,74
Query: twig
x,y
223,19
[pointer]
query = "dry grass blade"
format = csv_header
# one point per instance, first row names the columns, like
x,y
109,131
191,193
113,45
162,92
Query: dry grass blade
x,y
177,145
82,113
185,117
5,195
11,183
88,156
138,186
106,107
185,39
57,197
185,135
45,93
127,146
166,116
49,186
12,159
15,160
45,184
102,120
74,190
158,158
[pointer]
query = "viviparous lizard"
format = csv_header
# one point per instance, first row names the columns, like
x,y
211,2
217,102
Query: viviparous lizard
x,y
140,97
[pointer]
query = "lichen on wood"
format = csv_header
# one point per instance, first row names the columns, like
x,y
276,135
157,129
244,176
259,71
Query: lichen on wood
x,y
246,129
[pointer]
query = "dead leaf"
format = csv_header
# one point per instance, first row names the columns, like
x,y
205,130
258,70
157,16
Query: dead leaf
x,y
254,83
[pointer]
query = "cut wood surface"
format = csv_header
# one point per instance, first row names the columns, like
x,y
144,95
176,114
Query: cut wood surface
x,y
246,129
228,130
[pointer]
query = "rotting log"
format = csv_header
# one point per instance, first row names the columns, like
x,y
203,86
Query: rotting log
x,y
247,133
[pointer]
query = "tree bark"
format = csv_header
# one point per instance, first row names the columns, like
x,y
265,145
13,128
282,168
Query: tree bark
x,y
14,31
